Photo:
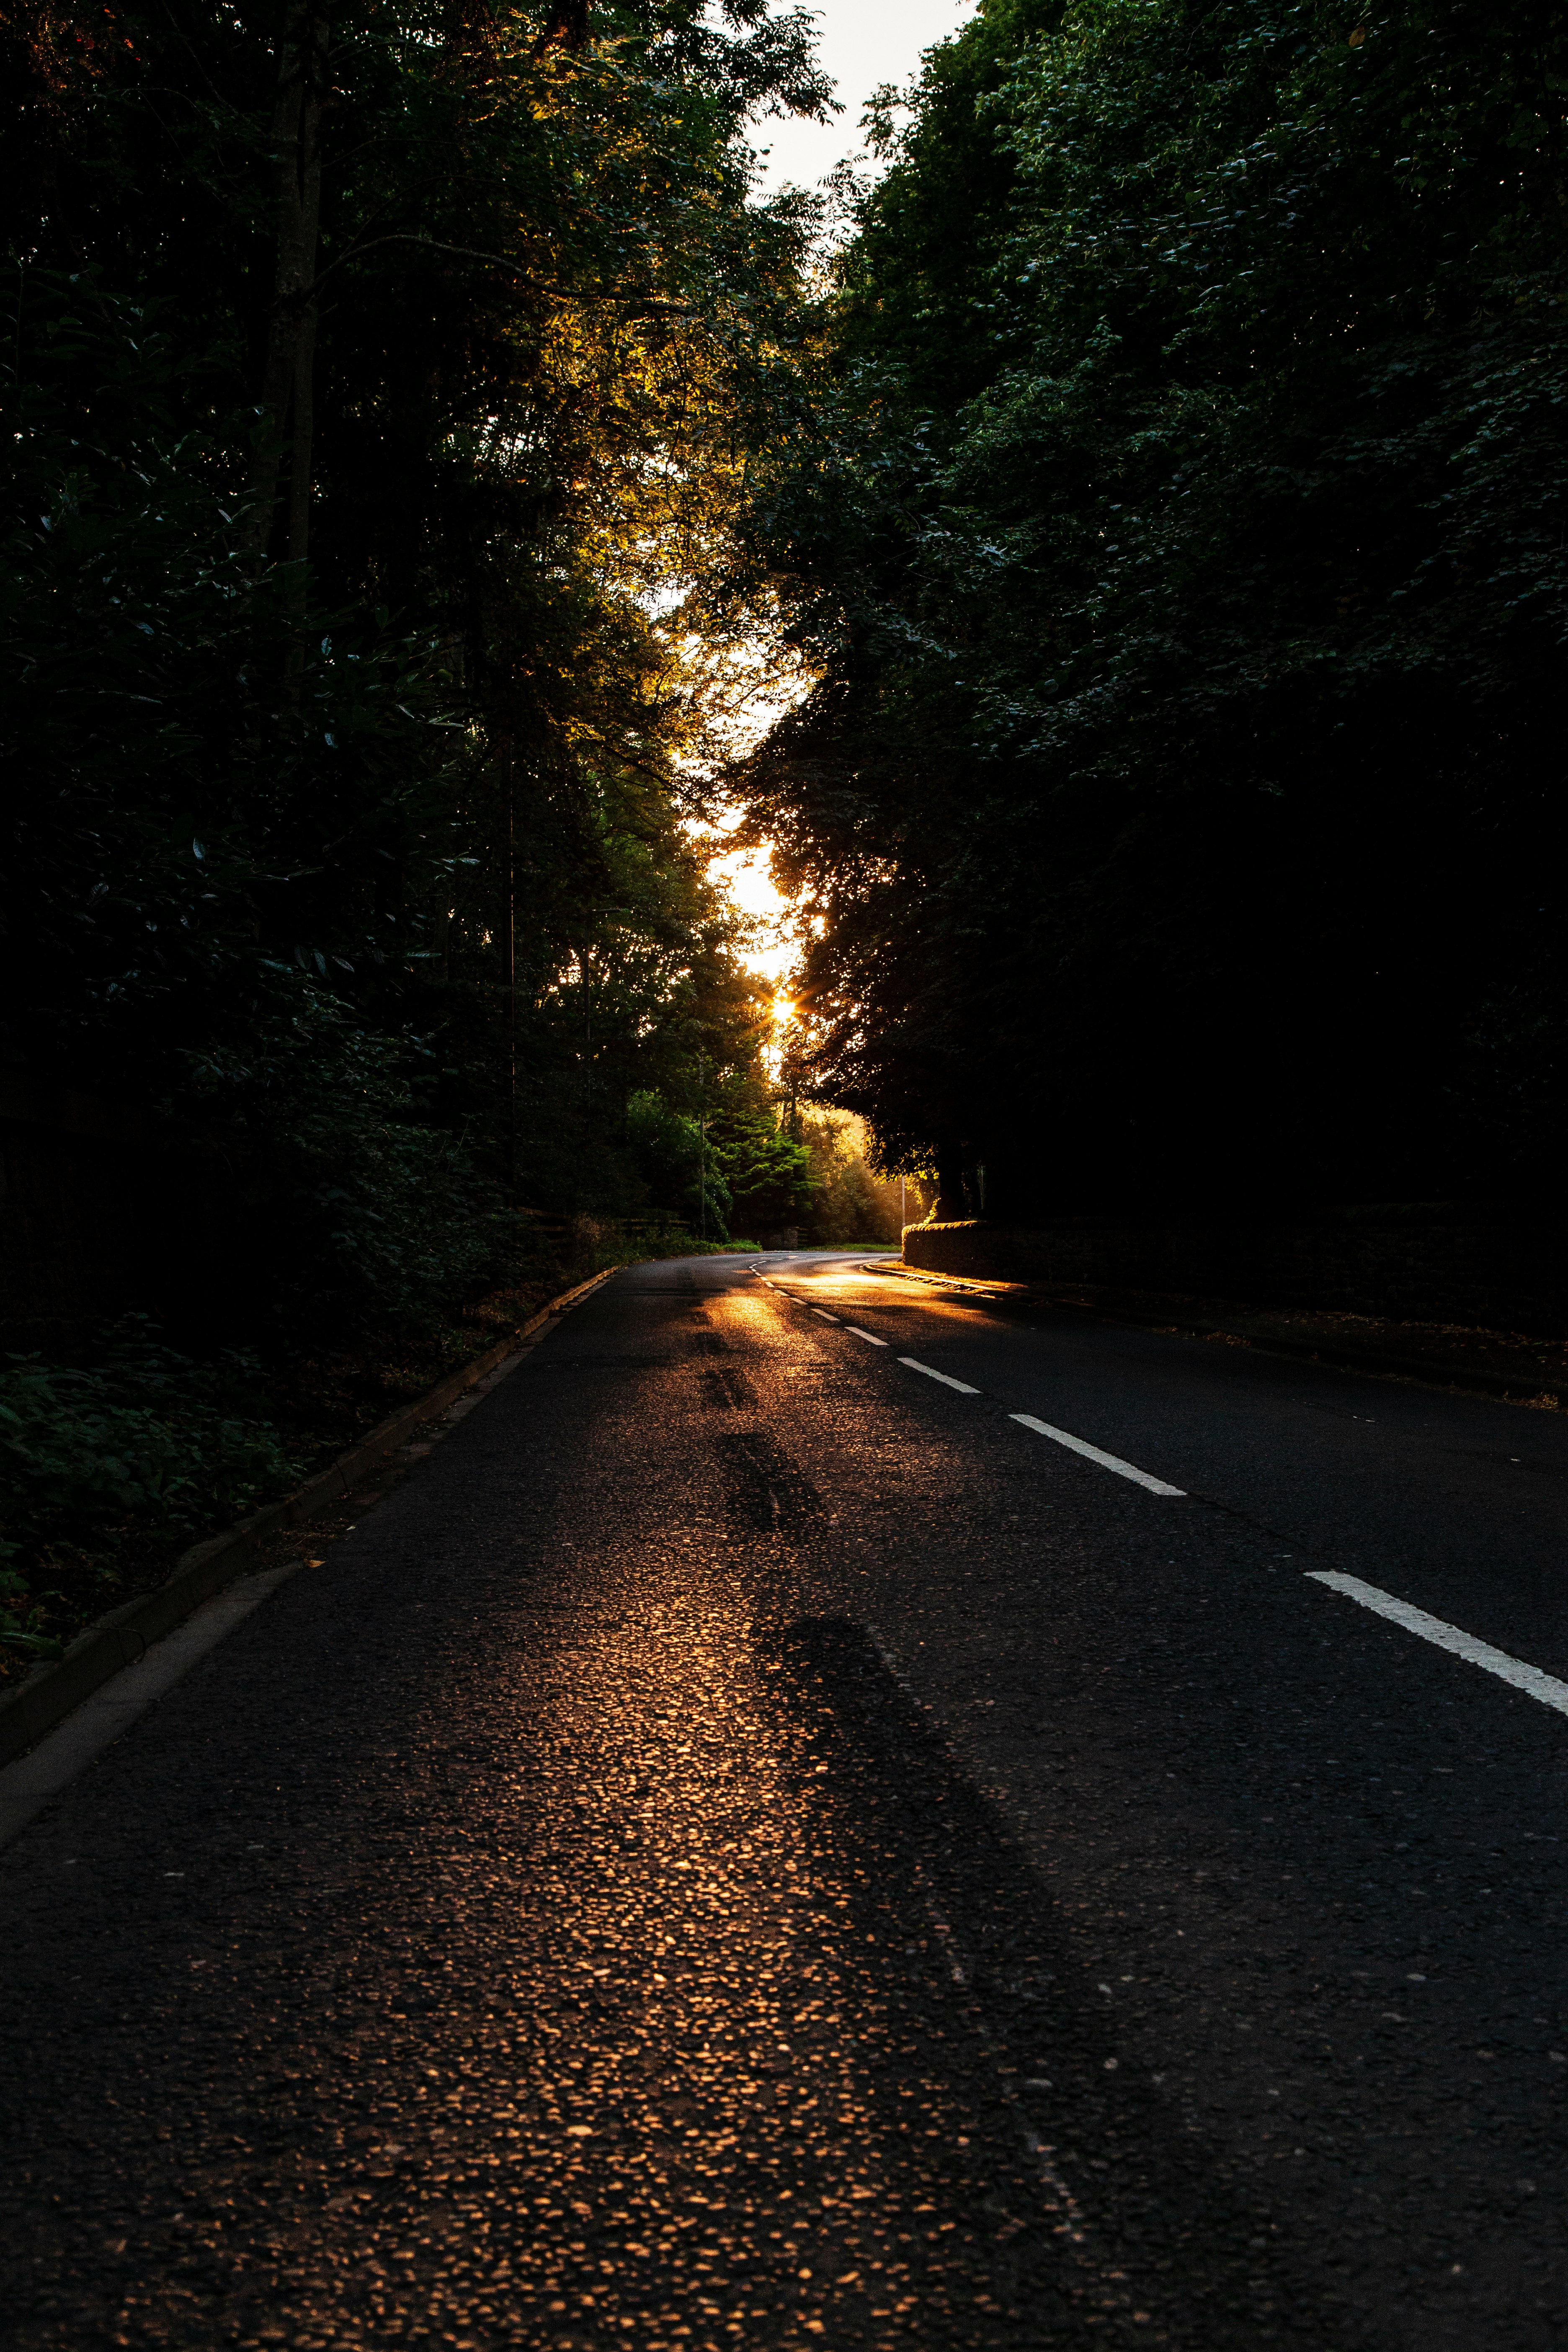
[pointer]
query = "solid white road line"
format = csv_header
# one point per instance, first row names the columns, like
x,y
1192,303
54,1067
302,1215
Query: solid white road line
x,y
824,1315
869,1336
1093,1454
962,1386
1545,1688
29,1784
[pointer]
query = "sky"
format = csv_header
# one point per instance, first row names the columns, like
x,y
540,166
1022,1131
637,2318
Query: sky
x,y
863,43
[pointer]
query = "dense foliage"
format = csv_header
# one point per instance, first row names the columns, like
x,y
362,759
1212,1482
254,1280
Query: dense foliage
x,y
378,391
1178,543
376,394
851,1202
108,1470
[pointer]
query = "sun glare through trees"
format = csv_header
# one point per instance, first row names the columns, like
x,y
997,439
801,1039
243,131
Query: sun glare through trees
x,y
780,1125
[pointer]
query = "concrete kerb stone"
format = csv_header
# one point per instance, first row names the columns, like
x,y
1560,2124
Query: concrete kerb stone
x,y
51,1691
949,1281
1429,1371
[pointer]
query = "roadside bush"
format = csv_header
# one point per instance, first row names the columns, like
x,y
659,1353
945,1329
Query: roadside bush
x,y
365,1216
106,1471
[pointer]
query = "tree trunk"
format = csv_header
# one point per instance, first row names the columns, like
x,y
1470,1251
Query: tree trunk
x,y
506,784
300,443
289,381
950,1207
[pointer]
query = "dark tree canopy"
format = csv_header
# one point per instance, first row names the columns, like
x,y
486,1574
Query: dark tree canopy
x,y
379,384
1177,540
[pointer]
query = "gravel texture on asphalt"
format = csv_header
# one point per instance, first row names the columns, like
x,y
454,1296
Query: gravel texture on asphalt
x,y
747,1846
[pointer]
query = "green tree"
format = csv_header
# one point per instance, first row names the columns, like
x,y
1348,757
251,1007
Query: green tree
x,y
767,1173
1176,540
377,390
678,1166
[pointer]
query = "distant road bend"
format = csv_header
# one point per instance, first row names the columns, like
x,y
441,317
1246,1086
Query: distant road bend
x,y
829,1813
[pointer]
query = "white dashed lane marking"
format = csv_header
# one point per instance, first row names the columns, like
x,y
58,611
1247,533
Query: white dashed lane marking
x,y
1533,1680
1437,1630
1095,1453
948,1382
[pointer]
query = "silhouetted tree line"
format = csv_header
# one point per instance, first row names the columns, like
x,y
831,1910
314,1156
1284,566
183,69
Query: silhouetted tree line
x,y
1178,535
378,381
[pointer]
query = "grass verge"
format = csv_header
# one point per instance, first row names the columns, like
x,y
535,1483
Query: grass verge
x,y
111,1465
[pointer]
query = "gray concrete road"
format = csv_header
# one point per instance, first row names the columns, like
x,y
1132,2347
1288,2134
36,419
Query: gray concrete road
x,y
753,1843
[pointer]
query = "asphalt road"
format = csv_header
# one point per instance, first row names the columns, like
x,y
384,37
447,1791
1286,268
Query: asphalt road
x,y
752,1844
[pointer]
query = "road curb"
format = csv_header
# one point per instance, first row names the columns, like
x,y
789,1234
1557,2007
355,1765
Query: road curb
x,y
996,1289
1336,1356
50,1692
1343,1356
948,1283
1430,1372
